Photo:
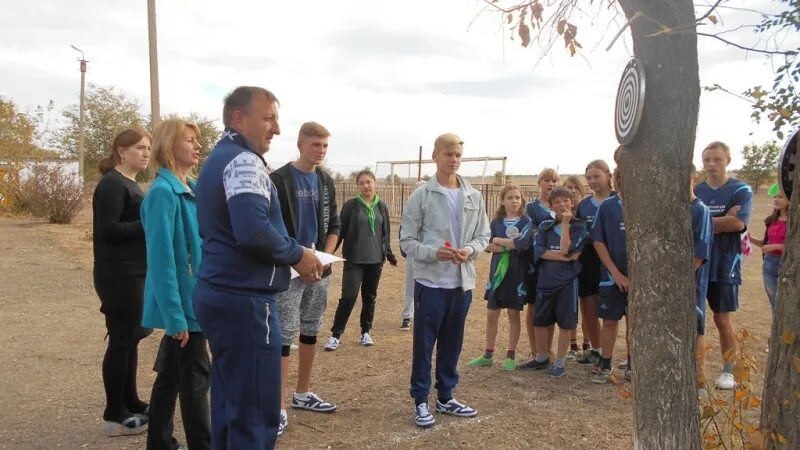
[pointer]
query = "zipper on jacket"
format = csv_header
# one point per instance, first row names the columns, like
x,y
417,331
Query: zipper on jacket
x,y
272,278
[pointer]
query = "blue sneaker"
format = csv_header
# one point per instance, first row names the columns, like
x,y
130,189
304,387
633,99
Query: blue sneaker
x,y
555,372
423,417
284,422
455,408
311,402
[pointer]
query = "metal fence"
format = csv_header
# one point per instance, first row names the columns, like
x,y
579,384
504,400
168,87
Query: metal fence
x,y
395,196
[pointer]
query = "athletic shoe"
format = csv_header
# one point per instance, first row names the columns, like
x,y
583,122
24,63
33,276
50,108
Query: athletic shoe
x,y
589,357
312,403
482,361
555,372
284,422
423,417
602,377
623,365
145,414
332,344
128,426
510,364
535,365
293,347
628,374
365,340
726,381
571,355
455,408
406,325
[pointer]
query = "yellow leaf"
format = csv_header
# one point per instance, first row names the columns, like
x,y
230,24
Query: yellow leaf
x,y
751,429
614,378
741,373
788,337
739,426
740,393
524,34
720,402
624,393
781,439
754,402
713,19
708,411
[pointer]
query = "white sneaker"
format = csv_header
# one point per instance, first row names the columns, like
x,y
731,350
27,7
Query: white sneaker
x,y
726,381
332,344
423,417
365,340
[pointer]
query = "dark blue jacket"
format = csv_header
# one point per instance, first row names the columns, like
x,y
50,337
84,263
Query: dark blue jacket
x,y
245,244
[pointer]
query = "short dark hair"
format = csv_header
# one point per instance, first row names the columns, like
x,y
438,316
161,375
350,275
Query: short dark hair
x,y
366,172
559,192
240,99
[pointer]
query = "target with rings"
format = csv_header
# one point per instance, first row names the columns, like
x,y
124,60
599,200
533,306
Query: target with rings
x,y
787,163
630,101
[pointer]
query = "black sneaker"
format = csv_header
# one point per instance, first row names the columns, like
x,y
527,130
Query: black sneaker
x,y
535,365
406,325
589,357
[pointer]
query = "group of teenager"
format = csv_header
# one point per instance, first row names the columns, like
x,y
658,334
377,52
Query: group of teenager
x,y
225,260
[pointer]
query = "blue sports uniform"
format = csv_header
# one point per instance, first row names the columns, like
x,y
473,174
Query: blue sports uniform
x,y
589,278
702,234
725,266
510,293
557,281
246,254
609,229
538,213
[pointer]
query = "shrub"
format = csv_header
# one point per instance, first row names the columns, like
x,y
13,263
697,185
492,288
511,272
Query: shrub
x,y
52,194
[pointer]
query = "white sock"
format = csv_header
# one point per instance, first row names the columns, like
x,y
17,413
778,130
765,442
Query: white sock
x,y
301,395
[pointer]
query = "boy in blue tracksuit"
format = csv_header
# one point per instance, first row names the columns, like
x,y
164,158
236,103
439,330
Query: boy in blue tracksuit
x,y
245,262
702,238
556,250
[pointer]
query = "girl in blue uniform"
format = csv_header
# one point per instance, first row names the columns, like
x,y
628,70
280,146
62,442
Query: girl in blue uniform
x,y
538,211
506,289
598,177
575,187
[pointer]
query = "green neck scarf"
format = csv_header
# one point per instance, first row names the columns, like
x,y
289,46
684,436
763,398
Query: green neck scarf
x,y
370,209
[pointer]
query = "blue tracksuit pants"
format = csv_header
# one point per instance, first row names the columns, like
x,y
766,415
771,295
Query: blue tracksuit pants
x,y
439,316
245,340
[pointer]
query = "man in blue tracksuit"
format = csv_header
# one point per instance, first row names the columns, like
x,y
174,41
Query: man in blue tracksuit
x,y
444,229
246,255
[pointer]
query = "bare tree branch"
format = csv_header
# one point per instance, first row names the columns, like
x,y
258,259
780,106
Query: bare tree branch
x,y
708,13
749,49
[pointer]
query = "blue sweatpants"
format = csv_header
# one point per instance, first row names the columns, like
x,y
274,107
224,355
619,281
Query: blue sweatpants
x,y
439,316
245,339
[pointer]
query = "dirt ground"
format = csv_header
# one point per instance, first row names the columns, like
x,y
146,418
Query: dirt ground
x,y
51,347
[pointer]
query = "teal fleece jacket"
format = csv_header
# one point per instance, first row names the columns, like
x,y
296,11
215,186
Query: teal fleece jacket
x,y
169,217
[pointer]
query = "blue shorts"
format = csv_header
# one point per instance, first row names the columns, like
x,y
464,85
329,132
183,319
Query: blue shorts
x,y
557,306
612,304
723,297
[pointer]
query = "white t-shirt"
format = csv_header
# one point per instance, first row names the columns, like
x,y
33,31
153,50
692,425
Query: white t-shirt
x,y
451,278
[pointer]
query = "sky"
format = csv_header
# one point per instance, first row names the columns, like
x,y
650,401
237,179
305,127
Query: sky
x,y
383,77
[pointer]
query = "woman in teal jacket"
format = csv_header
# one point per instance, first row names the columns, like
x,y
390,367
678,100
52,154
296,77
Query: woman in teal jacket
x,y
169,216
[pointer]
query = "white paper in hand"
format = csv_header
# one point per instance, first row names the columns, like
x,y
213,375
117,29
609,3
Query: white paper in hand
x,y
324,258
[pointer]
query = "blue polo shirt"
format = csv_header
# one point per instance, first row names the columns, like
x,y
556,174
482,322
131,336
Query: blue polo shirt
x,y
557,274
538,213
726,250
609,228
702,234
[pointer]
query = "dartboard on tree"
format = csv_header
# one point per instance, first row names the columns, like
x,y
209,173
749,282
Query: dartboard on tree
x,y
787,164
630,101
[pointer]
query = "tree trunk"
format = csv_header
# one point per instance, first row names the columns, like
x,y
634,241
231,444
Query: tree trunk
x,y
655,172
780,408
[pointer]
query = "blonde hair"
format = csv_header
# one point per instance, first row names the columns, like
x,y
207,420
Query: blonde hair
x,y
548,174
599,164
313,129
447,140
577,182
165,137
718,145
501,212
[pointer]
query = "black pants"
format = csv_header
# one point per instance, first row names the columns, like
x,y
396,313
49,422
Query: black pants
x,y
181,371
355,276
121,302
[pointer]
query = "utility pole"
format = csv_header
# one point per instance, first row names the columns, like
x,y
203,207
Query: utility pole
x,y
419,164
155,109
81,123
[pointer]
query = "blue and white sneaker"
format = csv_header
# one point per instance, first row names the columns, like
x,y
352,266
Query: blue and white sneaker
x,y
284,422
423,417
311,402
455,408
555,372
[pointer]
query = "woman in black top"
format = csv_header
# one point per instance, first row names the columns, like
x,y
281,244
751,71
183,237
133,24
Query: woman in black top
x,y
366,234
120,266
